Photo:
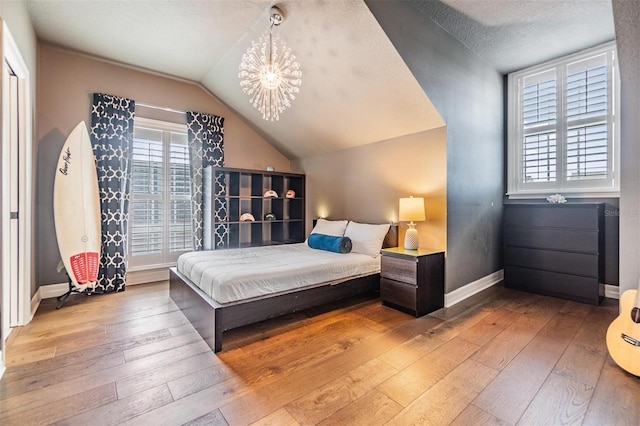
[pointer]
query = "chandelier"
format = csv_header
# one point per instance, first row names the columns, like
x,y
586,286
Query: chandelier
x,y
269,73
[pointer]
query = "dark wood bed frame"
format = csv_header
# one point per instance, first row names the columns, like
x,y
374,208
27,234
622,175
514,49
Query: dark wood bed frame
x,y
211,319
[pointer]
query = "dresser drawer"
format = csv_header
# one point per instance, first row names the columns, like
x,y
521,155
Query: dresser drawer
x,y
581,289
398,293
572,240
398,269
552,216
586,265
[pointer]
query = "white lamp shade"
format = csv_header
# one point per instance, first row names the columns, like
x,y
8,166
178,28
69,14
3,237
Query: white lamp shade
x,y
411,209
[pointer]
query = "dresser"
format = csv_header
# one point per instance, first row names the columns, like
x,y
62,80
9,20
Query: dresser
x,y
412,280
555,249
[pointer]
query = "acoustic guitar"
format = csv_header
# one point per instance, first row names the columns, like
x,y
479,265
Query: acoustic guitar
x,y
623,335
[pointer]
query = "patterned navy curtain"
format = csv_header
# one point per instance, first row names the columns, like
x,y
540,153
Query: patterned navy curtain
x,y
206,149
111,136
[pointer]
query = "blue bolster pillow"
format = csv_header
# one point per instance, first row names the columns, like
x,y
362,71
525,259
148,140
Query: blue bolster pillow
x,y
330,243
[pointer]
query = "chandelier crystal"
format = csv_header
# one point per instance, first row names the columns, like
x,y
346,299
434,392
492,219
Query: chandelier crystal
x,y
269,72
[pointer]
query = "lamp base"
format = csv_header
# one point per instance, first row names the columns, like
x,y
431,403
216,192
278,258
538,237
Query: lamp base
x,y
411,239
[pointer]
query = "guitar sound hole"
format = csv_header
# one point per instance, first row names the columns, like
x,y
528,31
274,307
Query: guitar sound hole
x,y
635,315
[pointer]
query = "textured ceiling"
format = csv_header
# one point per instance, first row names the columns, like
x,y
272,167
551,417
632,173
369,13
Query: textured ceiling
x,y
355,87
515,34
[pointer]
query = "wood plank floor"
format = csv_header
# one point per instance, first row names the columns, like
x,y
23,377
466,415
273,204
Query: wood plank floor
x,y
501,357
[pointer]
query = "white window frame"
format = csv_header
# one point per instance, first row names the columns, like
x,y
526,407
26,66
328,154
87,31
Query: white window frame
x,y
609,188
166,258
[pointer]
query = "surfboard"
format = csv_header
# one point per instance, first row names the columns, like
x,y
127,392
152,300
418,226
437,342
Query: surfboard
x,y
76,209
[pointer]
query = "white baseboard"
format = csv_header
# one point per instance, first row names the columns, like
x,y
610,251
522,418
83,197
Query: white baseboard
x,y
3,362
611,291
52,290
464,292
48,291
35,303
2,365
147,276
133,278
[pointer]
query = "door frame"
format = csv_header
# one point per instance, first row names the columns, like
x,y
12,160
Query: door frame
x,y
21,303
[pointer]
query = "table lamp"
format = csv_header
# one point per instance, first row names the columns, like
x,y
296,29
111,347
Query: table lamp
x,y
411,209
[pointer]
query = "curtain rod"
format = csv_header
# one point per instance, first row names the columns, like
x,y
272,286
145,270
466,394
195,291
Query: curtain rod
x,y
177,111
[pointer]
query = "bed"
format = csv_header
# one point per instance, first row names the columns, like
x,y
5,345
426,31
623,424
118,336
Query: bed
x,y
220,290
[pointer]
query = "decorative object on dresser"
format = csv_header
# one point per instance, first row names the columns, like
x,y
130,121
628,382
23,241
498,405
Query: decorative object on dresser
x,y
412,280
411,209
277,220
623,335
555,249
556,199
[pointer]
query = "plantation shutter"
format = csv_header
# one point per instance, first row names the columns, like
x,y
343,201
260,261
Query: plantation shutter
x,y
181,225
160,224
539,121
147,218
588,144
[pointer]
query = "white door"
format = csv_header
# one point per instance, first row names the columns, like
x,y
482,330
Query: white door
x,y
16,183
9,209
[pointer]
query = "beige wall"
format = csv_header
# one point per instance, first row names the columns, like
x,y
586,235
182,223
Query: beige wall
x,y
66,82
365,183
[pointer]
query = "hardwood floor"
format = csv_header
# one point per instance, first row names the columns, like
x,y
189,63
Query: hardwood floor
x,y
501,357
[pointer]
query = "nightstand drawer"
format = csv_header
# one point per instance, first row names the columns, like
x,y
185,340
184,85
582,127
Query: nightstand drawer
x,y
404,270
398,293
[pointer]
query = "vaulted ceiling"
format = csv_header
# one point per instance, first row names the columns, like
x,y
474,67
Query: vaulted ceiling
x,y
356,88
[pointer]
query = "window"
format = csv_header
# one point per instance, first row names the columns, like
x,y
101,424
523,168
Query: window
x,y
563,127
160,223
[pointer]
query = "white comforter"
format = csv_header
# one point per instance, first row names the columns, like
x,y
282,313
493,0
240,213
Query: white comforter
x,y
239,274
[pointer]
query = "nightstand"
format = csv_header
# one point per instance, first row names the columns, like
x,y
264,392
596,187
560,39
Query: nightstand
x,y
412,280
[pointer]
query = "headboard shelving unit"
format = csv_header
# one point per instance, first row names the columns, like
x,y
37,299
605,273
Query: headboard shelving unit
x,y
229,193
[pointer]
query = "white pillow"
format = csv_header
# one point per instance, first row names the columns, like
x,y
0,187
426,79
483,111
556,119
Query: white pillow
x,y
366,238
334,228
